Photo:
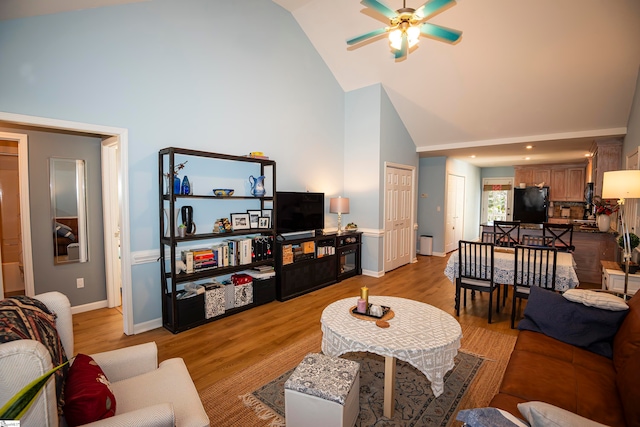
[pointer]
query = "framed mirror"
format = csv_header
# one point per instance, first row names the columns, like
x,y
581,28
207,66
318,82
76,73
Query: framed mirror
x,y
67,184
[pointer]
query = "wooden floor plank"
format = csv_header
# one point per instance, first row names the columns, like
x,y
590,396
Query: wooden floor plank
x,y
218,349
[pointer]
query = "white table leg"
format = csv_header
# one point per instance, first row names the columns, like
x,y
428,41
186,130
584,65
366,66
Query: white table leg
x,y
389,385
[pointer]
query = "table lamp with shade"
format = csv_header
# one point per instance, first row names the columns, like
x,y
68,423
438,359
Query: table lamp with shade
x,y
339,205
622,185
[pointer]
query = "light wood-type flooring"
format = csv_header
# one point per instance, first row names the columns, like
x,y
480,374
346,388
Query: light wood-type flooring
x,y
220,348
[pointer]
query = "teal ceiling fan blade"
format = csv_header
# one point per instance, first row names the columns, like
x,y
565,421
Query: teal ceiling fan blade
x,y
439,32
380,8
367,36
404,47
429,8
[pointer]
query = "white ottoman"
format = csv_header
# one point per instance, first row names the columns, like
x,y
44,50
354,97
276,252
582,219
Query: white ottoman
x,y
323,391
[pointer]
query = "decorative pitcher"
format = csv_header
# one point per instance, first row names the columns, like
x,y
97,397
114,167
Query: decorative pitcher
x,y
257,186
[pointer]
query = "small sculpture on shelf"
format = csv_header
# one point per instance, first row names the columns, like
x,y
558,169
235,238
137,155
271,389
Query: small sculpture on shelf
x,y
352,226
222,225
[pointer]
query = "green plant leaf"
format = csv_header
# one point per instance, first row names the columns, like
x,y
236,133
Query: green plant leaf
x,y
19,404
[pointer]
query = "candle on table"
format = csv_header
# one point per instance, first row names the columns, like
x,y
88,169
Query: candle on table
x,y
364,294
362,306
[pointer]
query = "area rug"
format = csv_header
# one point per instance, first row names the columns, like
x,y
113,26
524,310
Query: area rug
x,y
225,408
415,403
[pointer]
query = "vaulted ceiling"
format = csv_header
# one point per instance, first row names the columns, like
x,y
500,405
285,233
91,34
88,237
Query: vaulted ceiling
x,y
523,71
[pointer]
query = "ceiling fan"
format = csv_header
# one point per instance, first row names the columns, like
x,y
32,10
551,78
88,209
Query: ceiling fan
x,y
406,25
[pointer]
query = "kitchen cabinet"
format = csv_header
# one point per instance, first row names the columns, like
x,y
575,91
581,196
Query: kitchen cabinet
x,y
607,157
575,183
565,181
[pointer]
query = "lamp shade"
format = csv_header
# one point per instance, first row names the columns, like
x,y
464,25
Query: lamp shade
x,y
339,205
623,184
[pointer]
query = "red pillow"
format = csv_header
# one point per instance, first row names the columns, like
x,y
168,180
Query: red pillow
x,y
87,393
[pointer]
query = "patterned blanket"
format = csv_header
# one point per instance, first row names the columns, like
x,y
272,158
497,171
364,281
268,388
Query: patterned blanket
x,y
22,317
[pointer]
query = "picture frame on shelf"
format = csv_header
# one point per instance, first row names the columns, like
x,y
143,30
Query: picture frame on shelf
x,y
267,213
254,215
264,222
240,221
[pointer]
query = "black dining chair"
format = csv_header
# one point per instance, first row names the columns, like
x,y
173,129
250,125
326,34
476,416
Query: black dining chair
x,y
475,272
534,266
488,237
507,233
536,240
561,234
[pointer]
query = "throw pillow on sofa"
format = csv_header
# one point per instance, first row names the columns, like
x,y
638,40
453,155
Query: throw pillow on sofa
x,y
573,323
596,299
87,393
541,414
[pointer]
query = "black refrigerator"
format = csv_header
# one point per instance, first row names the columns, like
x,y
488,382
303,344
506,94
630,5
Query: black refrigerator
x,y
530,204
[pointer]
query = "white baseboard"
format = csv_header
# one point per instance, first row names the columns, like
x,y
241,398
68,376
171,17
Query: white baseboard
x,y
138,328
88,307
371,273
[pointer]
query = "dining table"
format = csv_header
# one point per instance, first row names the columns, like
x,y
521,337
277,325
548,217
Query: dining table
x,y
504,266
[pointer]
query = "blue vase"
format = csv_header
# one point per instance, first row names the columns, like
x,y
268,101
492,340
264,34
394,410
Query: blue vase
x,y
186,187
176,184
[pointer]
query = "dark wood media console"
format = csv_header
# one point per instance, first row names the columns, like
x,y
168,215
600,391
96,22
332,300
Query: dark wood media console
x,y
307,263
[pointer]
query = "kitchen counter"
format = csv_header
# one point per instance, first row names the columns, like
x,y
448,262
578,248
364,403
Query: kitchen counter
x,y
592,246
578,227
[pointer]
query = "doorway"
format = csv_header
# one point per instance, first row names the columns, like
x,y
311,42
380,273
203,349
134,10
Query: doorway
x,y
496,199
11,274
454,222
398,216
120,142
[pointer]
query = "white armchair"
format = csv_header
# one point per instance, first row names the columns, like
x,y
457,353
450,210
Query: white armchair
x,y
147,394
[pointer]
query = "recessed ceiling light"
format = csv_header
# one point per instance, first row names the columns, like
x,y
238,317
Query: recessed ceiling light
x,y
529,147
473,156
588,155
527,158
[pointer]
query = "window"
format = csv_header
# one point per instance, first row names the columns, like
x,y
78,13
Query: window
x,y
496,199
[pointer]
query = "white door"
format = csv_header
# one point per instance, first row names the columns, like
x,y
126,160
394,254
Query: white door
x,y
455,212
496,199
397,217
111,214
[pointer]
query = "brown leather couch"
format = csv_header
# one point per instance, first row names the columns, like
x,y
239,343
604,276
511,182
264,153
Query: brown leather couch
x,y
595,387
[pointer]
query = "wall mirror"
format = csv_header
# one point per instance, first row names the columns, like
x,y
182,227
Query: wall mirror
x,y
67,184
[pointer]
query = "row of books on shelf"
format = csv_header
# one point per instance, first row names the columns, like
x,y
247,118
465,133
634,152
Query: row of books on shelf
x,y
229,253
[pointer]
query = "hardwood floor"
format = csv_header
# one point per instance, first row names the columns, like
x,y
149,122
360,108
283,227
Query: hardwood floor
x,y
220,348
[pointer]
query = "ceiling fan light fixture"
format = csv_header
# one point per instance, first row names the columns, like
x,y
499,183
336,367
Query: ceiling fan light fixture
x,y
413,33
413,36
395,39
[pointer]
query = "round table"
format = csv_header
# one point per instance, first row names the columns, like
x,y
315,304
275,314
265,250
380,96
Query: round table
x,y
420,334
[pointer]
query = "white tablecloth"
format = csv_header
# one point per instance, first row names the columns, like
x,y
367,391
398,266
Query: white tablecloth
x,y
420,334
503,264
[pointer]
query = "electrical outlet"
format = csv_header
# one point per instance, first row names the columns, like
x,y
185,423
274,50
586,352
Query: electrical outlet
x,y
80,282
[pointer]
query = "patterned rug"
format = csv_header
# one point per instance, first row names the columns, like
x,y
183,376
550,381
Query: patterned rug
x,y
415,403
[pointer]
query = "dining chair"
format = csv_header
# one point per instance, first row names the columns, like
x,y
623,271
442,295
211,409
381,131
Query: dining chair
x,y
488,237
475,272
533,266
562,235
505,231
536,240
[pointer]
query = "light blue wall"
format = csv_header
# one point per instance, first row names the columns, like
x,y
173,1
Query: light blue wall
x,y
497,172
180,73
431,185
362,168
374,134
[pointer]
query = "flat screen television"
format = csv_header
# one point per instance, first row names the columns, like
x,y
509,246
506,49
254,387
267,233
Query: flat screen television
x,y
530,204
299,211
